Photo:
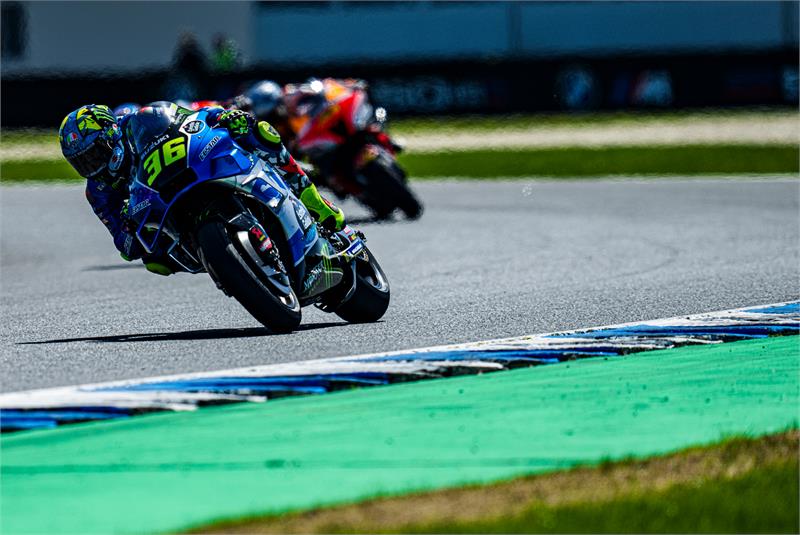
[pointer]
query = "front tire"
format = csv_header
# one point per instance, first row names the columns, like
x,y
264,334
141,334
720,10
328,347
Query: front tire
x,y
244,280
371,296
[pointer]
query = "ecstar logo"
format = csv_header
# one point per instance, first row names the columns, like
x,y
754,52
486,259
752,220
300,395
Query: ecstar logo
x,y
140,206
207,149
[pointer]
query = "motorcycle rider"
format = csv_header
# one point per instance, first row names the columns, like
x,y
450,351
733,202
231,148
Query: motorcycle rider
x,y
265,100
95,143
289,109
125,109
293,110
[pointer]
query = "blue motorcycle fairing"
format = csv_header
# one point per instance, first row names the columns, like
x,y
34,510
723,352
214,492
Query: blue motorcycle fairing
x,y
266,185
213,155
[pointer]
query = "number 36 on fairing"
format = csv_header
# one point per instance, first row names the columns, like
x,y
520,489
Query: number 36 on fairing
x,y
170,152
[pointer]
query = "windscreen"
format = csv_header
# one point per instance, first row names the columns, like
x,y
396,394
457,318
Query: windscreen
x,y
160,147
150,123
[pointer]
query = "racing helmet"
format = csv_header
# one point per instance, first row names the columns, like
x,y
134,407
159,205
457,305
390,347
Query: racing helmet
x,y
92,142
264,97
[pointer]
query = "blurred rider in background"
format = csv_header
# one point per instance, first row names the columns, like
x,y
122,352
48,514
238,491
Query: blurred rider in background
x,y
293,108
125,109
264,99
94,142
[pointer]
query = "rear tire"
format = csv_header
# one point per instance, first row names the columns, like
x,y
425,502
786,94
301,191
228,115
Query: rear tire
x,y
244,281
386,186
371,296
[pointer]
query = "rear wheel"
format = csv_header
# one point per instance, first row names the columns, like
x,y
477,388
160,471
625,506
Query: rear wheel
x,y
371,296
387,189
258,284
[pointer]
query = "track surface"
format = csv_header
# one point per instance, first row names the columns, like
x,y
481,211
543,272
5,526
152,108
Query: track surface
x,y
488,259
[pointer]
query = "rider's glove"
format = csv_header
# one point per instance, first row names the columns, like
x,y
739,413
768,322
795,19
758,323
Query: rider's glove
x,y
237,122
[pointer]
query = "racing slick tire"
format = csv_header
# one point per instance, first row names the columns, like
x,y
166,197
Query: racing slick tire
x,y
387,189
369,301
241,278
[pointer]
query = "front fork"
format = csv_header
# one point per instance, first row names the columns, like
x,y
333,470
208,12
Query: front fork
x,y
251,240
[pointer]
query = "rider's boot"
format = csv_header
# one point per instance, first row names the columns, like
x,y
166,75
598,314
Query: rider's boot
x,y
158,268
331,217
161,264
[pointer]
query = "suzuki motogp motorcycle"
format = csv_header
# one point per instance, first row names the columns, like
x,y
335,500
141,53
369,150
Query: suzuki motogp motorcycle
x,y
340,133
214,207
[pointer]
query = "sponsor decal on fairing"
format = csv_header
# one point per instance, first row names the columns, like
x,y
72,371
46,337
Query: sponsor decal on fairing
x,y
207,149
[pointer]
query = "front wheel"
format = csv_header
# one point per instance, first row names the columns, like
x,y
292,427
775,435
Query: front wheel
x,y
229,257
371,296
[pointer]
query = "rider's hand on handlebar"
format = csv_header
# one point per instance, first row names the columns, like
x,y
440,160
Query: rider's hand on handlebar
x,y
237,122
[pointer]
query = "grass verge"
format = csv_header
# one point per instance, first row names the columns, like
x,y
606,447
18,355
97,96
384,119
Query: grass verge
x,y
740,485
591,162
26,136
486,123
37,170
483,123
560,162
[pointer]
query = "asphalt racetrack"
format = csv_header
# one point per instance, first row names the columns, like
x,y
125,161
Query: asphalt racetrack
x,y
488,259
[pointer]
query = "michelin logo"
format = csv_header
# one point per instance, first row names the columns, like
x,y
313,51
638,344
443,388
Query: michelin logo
x,y
207,148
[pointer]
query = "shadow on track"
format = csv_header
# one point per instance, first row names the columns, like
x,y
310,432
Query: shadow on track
x,y
371,220
203,334
362,220
115,267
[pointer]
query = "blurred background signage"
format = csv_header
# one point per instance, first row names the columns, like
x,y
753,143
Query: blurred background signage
x,y
420,57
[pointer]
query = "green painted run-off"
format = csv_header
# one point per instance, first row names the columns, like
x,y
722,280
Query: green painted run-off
x,y
171,471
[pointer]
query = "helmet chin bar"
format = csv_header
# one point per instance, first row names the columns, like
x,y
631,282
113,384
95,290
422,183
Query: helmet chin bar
x,y
92,162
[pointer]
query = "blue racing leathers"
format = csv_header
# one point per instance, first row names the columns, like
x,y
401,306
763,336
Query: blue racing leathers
x,y
108,203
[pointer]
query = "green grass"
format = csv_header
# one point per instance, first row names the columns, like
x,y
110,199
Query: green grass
x,y
563,162
24,136
762,501
739,485
532,162
33,170
484,123
589,162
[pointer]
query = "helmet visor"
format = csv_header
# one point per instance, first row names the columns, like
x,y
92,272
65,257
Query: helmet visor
x,y
92,161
